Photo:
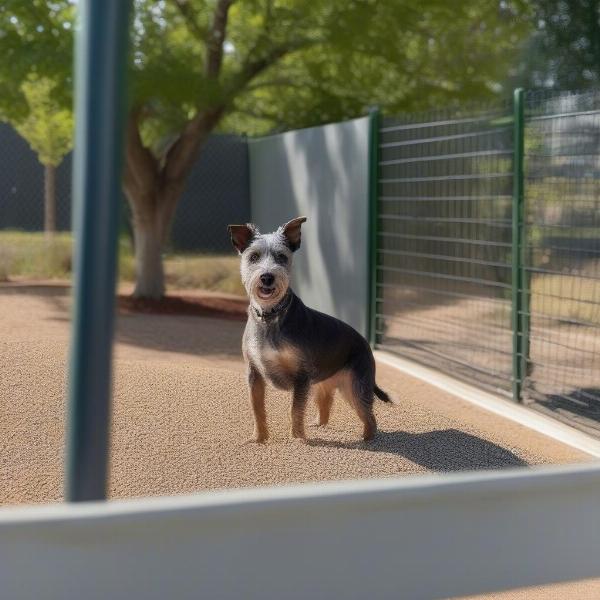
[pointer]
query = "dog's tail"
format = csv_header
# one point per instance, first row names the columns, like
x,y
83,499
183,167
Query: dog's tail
x,y
381,394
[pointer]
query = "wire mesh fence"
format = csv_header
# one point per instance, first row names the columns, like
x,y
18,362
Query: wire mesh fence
x,y
444,241
445,248
562,220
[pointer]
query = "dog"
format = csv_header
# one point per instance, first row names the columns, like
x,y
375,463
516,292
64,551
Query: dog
x,y
295,347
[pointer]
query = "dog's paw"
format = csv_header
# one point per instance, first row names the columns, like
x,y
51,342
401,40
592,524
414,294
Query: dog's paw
x,y
316,422
257,439
298,435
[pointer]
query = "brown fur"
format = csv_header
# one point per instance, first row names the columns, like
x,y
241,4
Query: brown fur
x,y
344,382
257,401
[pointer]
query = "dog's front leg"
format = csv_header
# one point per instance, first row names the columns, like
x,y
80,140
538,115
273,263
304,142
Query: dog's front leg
x,y
299,399
256,383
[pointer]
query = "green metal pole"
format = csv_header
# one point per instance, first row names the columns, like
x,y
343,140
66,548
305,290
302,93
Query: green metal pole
x,y
518,248
374,123
101,55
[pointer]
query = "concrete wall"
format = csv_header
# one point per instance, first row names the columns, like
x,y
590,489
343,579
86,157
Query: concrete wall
x,y
322,173
425,537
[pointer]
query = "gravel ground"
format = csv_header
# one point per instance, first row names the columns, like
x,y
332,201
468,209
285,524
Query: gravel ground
x,y
181,416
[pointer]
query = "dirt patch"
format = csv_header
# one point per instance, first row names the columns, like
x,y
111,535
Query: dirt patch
x,y
189,305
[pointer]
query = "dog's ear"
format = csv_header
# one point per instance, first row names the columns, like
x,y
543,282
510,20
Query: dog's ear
x,y
242,235
291,232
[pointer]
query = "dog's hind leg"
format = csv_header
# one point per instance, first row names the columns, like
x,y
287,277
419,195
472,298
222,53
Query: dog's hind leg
x,y
256,384
299,399
323,400
359,393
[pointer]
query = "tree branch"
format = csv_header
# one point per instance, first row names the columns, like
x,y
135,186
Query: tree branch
x,y
254,67
189,16
140,164
182,153
216,38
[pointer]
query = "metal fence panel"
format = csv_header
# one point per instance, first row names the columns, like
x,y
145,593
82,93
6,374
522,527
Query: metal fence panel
x,y
562,194
444,241
445,253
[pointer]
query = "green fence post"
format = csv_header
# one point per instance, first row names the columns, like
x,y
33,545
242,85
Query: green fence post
x,y
374,123
101,56
519,292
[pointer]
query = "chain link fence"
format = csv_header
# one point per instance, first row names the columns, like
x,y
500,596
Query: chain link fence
x,y
22,186
446,254
216,193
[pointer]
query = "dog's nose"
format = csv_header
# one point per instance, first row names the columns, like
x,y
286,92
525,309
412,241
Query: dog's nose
x,y
267,279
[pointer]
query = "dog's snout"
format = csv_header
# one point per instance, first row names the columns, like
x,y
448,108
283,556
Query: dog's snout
x,y
267,278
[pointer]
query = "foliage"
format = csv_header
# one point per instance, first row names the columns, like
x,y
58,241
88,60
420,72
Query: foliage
x,y
48,127
328,60
324,60
563,51
394,55
36,40
35,74
286,63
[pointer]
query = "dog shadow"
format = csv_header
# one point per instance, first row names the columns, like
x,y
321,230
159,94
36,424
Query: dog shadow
x,y
440,450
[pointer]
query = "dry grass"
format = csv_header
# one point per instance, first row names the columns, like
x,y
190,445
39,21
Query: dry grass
x,y
207,272
5,262
27,255
566,297
34,256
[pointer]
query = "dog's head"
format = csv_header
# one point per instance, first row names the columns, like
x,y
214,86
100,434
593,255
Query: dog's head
x,y
266,259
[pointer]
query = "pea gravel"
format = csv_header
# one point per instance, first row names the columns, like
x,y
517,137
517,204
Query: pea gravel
x,y
181,417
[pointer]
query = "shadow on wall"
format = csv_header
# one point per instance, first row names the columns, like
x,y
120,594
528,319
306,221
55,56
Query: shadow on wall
x,y
322,173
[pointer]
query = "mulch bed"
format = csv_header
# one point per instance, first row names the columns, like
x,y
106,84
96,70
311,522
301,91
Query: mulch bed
x,y
200,306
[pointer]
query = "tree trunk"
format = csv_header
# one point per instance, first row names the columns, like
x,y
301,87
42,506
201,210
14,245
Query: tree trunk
x,y
152,215
153,192
150,277
49,200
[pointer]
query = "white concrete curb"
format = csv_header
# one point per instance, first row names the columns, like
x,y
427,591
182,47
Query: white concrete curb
x,y
495,404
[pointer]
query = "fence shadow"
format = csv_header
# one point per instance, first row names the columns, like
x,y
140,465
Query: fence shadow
x,y
441,450
581,405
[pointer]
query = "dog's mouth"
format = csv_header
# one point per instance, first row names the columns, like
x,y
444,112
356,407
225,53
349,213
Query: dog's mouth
x,y
264,292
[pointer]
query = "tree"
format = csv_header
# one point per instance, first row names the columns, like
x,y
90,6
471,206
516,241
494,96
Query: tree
x,y
36,83
267,60
433,57
48,128
262,65
563,51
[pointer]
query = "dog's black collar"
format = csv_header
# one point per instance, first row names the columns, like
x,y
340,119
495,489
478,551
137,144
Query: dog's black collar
x,y
276,311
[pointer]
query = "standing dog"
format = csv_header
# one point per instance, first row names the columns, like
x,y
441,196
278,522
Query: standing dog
x,y
293,346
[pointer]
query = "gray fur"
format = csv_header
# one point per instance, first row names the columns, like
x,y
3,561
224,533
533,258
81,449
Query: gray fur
x,y
295,347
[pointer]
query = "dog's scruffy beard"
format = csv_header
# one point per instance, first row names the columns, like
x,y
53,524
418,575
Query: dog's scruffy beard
x,y
263,297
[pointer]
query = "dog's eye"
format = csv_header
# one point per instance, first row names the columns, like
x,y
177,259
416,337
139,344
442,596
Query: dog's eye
x,y
281,258
254,257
